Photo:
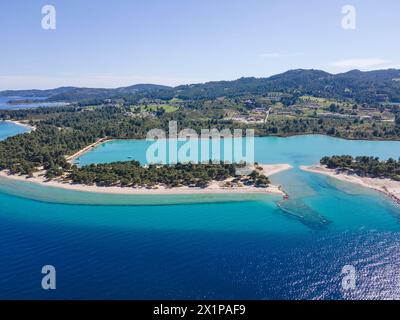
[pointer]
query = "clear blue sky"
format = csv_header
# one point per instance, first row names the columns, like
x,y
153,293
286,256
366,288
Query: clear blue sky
x,y
103,43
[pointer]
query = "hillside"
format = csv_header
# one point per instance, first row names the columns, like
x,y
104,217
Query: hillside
x,y
362,87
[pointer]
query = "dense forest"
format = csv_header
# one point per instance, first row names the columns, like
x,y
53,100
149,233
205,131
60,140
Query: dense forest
x,y
352,105
62,131
132,174
45,147
365,166
113,121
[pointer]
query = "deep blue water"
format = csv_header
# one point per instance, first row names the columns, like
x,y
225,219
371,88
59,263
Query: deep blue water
x,y
259,249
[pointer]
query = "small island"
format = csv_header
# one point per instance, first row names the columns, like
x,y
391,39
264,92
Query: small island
x,y
370,172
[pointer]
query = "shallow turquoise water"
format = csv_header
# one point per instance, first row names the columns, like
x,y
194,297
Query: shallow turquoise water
x,y
8,129
205,247
296,150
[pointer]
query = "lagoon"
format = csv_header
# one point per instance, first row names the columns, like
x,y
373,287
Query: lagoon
x,y
261,248
297,150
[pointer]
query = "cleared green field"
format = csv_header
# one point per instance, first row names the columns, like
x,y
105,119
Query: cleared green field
x,y
323,102
155,107
175,100
91,107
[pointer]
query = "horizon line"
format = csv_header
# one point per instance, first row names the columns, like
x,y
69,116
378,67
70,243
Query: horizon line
x,y
197,83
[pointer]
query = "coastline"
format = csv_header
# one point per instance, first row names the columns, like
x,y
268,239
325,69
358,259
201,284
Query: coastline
x,y
21,123
83,151
213,188
389,187
302,134
86,149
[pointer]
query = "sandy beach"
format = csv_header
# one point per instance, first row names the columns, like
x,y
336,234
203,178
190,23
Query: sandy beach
x,y
213,188
389,187
21,123
72,157
272,169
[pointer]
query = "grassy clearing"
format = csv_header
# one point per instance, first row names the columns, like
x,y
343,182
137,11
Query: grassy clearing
x,y
155,107
322,102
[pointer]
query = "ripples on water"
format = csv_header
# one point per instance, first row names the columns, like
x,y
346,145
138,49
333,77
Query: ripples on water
x,y
263,249
169,264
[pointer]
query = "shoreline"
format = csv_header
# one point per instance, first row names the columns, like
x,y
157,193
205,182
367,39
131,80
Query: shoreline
x,y
290,135
388,187
86,149
92,146
283,136
213,188
21,123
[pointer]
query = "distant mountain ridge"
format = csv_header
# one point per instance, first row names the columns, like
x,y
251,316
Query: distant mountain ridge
x,y
362,86
70,92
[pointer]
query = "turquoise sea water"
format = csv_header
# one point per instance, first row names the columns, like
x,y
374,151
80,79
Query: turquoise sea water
x,y
9,129
110,246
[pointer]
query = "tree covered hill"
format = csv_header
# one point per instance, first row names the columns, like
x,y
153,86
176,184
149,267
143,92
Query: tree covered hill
x,y
75,94
362,87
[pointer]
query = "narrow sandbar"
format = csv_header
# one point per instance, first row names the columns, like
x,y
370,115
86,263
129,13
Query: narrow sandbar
x,y
88,148
387,186
214,187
